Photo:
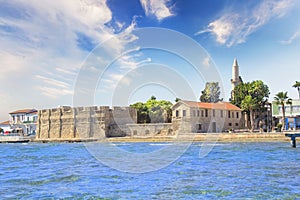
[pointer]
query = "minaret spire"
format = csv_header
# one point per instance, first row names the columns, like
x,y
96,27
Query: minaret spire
x,y
235,76
235,62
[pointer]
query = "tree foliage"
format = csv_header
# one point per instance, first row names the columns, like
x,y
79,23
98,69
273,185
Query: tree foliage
x,y
177,99
258,91
281,98
250,97
153,111
211,93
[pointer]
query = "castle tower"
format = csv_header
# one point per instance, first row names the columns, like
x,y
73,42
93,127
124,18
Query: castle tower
x,y
236,79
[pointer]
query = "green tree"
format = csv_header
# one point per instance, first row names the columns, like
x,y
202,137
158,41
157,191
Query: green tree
x,y
281,98
211,93
153,111
249,104
142,112
153,97
177,99
240,92
297,85
251,97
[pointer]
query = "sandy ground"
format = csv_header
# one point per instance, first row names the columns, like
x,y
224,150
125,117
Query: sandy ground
x,y
209,137
195,137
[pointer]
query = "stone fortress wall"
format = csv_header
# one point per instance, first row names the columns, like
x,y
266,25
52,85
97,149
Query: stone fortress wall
x,y
66,123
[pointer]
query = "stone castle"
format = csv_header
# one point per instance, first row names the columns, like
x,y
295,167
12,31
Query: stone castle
x,y
66,123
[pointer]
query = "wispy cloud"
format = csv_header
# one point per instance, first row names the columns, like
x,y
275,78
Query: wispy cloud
x,y
121,72
206,61
157,8
43,45
66,71
53,92
234,28
53,82
291,39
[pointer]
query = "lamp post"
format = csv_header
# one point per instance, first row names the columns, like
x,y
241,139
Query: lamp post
x,y
267,106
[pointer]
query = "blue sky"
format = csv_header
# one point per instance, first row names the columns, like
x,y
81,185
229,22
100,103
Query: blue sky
x,y
44,45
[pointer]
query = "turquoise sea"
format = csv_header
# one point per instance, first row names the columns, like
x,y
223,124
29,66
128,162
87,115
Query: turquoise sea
x,y
229,171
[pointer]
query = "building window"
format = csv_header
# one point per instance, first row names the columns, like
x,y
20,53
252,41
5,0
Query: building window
x,y
177,113
230,124
199,127
198,113
134,132
206,113
236,124
194,113
228,114
183,113
214,113
237,114
232,115
202,113
221,113
27,118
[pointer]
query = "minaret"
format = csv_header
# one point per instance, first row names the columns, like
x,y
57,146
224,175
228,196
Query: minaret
x,y
235,76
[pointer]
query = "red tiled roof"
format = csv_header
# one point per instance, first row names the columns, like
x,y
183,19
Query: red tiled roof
x,y
26,111
5,123
219,105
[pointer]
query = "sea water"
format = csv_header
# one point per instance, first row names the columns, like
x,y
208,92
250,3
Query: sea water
x,y
229,171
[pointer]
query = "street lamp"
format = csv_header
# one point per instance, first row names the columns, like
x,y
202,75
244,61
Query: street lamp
x,y
268,110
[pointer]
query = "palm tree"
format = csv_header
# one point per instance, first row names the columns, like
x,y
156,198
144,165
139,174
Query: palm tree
x,y
281,98
249,104
297,85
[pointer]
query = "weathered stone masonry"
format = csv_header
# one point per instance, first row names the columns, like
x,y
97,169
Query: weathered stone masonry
x,y
84,122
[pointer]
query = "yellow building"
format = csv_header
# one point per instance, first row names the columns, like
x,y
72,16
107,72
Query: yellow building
x,y
191,116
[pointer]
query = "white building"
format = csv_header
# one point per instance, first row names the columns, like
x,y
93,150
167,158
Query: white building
x,y
292,114
24,120
5,126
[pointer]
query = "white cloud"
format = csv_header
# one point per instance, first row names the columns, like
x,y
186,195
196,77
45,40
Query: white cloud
x,y
53,82
40,55
10,63
66,71
291,39
157,8
234,28
206,61
54,92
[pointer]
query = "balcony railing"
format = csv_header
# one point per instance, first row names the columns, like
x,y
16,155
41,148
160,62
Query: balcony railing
x,y
24,122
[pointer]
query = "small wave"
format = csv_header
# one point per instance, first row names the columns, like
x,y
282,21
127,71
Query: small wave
x,y
209,144
120,144
160,144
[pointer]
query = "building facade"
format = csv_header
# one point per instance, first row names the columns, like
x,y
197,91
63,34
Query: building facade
x,y
190,116
6,128
67,123
24,121
292,114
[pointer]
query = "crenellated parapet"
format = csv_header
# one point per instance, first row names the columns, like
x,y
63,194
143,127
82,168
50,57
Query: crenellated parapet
x,y
83,122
